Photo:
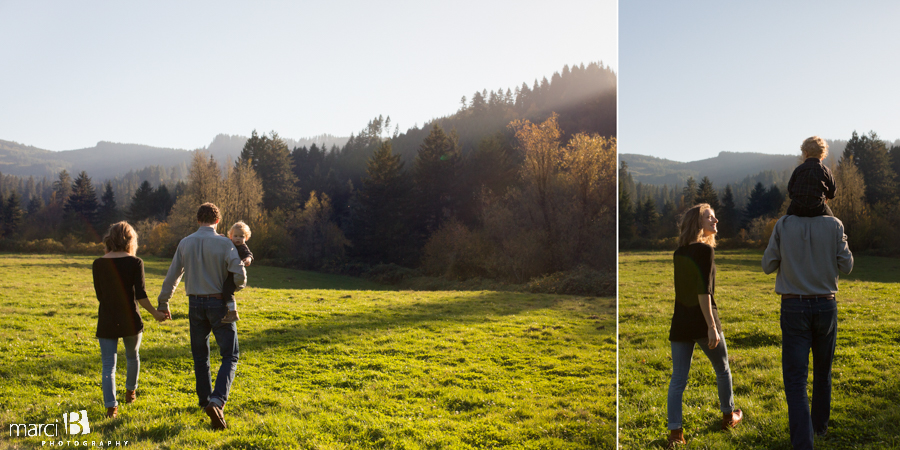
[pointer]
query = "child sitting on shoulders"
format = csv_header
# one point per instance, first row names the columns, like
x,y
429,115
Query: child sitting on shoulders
x,y
239,235
812,184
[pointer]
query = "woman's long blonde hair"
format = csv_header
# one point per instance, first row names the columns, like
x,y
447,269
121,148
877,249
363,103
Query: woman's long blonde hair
x,y
121,237
690,229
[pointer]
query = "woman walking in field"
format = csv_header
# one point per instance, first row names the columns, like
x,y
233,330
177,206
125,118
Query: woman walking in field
x,y
119,284
696,318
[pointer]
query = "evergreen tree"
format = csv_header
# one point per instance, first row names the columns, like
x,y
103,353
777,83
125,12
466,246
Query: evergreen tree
x,y
108,212
81,209
647,219
161,202
626,208
436,176
707,194
142,205
379,224
12,214
757,204
728,215
871,156
774,198
35,204
62,187
689,194
271,159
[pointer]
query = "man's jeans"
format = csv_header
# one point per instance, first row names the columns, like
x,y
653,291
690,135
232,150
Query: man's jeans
x,y
206,315
682,352
807,324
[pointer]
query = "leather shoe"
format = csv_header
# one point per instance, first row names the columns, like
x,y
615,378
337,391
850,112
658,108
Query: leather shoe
x,y
732,419
112,412
130,396
676,437
217,416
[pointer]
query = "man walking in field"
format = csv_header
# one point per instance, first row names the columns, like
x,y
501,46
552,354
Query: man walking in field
x,y
807,252
205,259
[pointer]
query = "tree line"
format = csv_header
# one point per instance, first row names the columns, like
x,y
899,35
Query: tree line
x,y
528,198
868,190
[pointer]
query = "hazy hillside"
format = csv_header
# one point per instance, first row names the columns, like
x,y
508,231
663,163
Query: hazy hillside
x,y
726,168
108,160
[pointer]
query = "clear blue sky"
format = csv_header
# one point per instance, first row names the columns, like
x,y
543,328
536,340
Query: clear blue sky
x,y
176,74
700,77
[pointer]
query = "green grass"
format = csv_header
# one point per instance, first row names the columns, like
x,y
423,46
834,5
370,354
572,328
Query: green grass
x,y
326,362
866,376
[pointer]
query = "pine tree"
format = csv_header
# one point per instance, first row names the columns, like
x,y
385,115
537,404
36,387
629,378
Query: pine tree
x,y
12,214
647,219
81,209
62,187
271,159
436,176
871,156
757,204
142,204
161,202
728,214
108,212
379,223
689,194
707,194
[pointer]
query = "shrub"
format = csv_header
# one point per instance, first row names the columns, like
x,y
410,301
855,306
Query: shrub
x,y
580,281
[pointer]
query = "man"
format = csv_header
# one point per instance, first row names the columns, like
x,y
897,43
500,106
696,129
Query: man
x,y
808,252
205,258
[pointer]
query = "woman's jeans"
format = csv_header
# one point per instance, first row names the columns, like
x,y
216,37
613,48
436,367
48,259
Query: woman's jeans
x,y
681,367
108,349
807,324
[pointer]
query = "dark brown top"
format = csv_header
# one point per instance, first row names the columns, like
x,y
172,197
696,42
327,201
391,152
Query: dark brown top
x,y
695,274
118,282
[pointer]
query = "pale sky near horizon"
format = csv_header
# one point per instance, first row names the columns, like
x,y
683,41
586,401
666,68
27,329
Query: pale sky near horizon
x,y
700,77
176,74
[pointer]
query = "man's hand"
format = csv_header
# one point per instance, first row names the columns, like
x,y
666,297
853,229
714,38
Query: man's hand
x,y
166,315
161,316
713,334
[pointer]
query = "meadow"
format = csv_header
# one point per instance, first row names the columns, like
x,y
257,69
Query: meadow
x,y
327,362
866,377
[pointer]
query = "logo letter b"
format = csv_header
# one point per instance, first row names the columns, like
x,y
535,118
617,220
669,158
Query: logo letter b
x,y
78,423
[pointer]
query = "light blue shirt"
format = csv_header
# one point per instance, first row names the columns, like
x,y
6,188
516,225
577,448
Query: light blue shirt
x,y
808,253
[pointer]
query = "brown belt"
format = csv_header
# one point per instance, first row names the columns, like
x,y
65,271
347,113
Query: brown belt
x,y
218,296
790,296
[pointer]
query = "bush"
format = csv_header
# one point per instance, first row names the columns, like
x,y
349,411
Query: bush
x,y
456,253
580,281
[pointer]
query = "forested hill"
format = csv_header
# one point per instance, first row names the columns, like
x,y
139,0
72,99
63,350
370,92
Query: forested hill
x,y
109,160
583,96
726,168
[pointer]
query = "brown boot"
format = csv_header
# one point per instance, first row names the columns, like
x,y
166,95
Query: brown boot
x,y
676,437
231,317
217,417
112,412
130,396
732,419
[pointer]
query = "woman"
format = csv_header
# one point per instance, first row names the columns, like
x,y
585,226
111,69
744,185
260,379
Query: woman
x,y
696,318
119,284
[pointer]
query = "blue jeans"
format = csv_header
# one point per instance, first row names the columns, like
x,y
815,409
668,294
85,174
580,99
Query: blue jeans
x,y
682,352
205,315
108,356
807,324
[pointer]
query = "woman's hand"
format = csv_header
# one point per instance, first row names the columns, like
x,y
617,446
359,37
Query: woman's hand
x,y
713,335
159,315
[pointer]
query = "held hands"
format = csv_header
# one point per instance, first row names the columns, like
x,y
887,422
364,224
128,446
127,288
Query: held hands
x,y
161,316
713,335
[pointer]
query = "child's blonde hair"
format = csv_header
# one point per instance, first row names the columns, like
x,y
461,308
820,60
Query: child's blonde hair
x,y
814,147
241,226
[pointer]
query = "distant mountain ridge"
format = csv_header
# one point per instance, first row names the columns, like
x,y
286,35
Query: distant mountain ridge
x,y
726,168
108,160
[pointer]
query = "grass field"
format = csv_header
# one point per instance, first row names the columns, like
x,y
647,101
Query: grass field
x,y
326,362
866,376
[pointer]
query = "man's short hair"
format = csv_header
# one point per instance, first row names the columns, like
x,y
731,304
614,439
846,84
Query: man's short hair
x,y
208,213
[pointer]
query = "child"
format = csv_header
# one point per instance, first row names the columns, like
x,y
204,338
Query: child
x,y
812,184
239,235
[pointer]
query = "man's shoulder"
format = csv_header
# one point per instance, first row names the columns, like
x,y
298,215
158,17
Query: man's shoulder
x,y
819,221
